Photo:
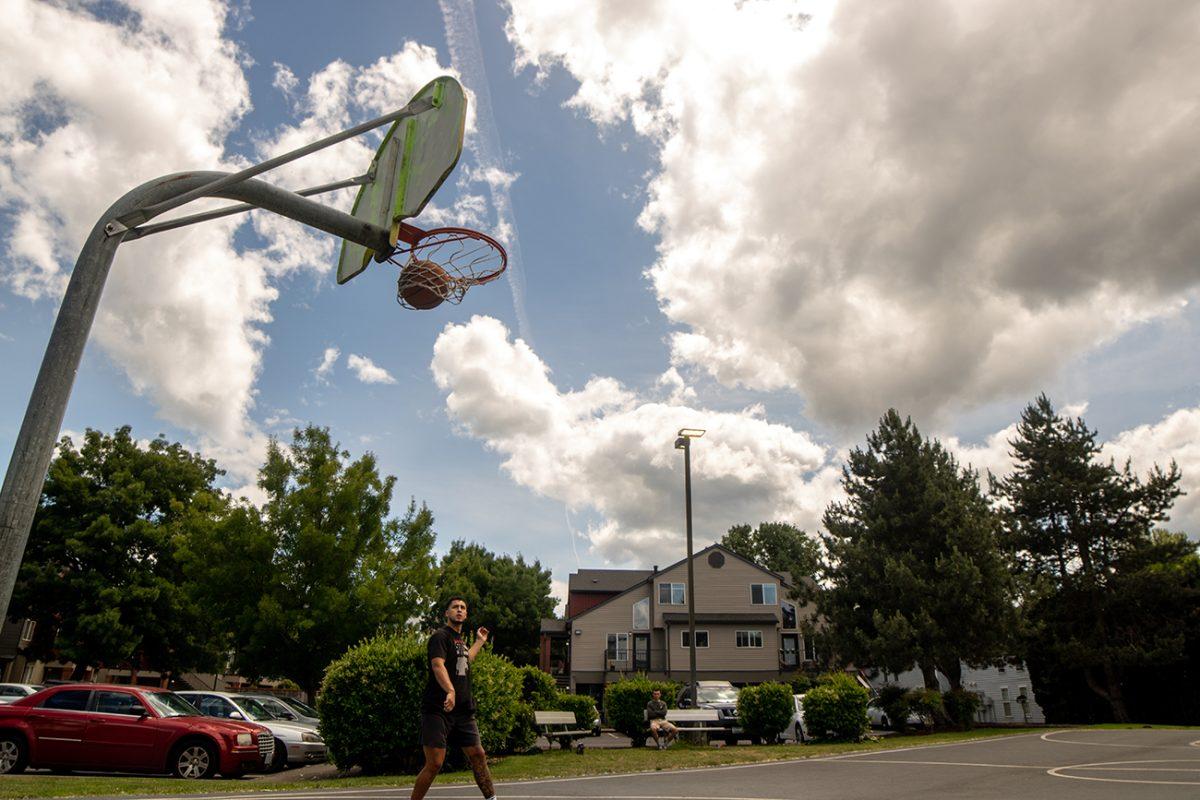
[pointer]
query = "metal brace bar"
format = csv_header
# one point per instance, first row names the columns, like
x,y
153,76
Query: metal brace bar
x,y
125,222
225,211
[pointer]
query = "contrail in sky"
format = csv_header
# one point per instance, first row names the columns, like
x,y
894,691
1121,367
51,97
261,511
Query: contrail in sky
x,y
466,56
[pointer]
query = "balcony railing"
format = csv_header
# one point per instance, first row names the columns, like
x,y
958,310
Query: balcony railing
x,y
654,660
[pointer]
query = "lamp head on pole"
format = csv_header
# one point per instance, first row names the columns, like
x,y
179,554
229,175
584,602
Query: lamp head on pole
x,y
685,434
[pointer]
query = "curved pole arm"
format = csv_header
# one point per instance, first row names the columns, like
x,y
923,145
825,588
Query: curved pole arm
x,y
48,404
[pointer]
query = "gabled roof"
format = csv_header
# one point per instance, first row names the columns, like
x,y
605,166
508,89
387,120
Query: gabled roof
x,y
651,574
605,580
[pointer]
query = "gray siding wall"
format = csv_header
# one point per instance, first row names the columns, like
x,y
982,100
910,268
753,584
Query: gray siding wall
x,y
722,652
587,649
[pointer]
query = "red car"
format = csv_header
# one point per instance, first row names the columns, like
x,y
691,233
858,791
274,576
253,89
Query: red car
x,y
92,726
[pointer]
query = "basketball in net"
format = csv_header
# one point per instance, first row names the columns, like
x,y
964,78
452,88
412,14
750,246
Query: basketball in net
x,y
439,265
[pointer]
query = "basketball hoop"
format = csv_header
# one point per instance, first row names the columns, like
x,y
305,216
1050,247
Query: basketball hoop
x,y
440,264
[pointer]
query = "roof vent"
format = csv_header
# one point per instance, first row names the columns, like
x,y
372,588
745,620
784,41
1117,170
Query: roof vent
x,y
716,559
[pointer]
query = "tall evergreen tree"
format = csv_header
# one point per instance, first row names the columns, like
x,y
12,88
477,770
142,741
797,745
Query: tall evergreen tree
x,y
914,574
1071,521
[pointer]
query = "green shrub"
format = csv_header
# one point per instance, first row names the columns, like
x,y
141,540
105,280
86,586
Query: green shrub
x,y
928,704
836,707
800,683
625,704
961,706
496,686
583,706
524,731
538,688
766,710
893,700
370,703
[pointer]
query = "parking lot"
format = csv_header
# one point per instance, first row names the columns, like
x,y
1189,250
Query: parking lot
x,y
1056,765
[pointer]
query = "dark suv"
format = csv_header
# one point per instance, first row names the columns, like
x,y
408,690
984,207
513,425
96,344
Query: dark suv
x,y
719,695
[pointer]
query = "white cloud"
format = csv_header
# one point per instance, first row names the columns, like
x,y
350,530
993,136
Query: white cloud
x,y
325,368
367,371
924,205
148,93
606,450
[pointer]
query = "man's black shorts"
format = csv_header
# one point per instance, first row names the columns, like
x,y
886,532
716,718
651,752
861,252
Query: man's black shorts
x,y
439,729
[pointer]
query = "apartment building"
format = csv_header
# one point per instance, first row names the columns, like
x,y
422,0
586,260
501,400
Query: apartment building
x,y
623,622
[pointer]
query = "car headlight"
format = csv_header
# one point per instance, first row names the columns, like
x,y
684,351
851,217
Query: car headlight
x,y
311,737
245,739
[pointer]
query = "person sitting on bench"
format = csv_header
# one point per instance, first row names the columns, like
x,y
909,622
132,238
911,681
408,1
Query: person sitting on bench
x,y
656,713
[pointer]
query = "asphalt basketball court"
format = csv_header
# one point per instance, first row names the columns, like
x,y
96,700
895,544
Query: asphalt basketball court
x,y
1056,765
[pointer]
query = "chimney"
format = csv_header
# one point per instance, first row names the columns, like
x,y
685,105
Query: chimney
x,y
656,567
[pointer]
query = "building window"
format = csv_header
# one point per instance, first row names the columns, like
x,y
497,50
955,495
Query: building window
x,y
762,594
701,639
618,647
1005,702
748,639
27,630
810,649
641,614
1002,669
671,594
789,616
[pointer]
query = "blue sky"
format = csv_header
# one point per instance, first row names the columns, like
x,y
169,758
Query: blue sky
x,y
721,224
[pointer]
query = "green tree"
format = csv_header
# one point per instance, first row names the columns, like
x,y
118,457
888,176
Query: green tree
x,y
506,595
914,573
320,567
1079,531
99,575
778,546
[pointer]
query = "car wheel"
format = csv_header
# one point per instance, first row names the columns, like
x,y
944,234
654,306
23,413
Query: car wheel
x,y
884,722
799,734
279,757
731,740
14,755
195,761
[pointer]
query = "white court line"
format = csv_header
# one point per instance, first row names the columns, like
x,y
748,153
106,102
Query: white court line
x,y
1045,737
947,763
351,793
1057,772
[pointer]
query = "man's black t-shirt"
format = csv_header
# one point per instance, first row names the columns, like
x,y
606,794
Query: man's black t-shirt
x,y
447,643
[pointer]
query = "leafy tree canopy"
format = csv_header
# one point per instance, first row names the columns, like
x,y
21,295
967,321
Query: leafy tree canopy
x,y
778,546
319,568
506,595
99,575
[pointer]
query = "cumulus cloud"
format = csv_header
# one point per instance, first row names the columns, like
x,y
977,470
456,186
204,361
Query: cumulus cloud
x,y
184,312
325,368
367,371
915,204
606,450
1176,438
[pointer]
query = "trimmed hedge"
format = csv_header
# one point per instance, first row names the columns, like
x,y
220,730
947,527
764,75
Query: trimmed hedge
x,y
370,704
928,704
766,710
961,706
538,688
893,700
583,706
800,683
625,704
836,707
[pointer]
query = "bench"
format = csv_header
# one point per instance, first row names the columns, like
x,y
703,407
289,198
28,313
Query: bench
x,y
559,726
692,720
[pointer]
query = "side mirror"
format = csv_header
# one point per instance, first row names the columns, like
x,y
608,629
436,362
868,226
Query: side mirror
x,y
236,715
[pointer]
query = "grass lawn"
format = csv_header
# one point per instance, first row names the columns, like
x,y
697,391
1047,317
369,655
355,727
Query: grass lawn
x,y
554,764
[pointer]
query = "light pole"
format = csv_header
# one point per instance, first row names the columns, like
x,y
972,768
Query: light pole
x,y
684,443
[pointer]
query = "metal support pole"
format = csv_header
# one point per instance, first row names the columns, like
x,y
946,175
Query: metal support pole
x,y
691,572
48,403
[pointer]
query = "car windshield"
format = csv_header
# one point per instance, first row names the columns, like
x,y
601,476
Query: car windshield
x,y
716,694
253,709
303,708
277,708
169,704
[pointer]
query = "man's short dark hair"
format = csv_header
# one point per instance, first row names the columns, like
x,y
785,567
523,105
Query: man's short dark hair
x,y
452,599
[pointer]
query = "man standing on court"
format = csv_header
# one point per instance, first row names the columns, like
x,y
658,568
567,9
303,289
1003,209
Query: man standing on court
x,y
447,709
